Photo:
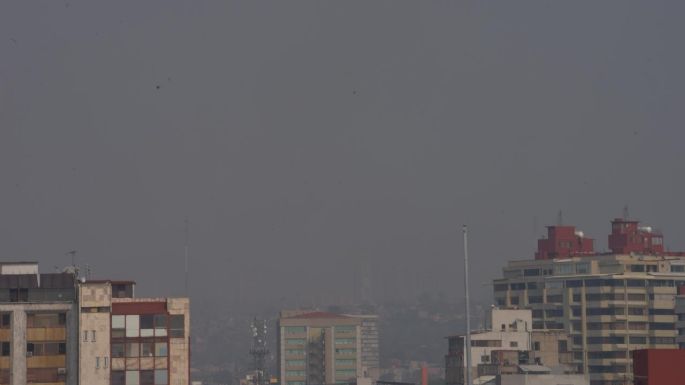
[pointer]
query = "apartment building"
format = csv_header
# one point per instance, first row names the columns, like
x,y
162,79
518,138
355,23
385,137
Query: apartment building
x,y
510,347
316,348
132,341
608,303
58,330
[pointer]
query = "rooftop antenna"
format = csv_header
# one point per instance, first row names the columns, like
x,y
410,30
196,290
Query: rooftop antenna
x,y
72,253
187,238
467,345
625,213
560,218
259,350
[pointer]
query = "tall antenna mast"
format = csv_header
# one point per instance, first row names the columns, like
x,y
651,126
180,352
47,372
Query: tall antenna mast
x,y
187,247
467,346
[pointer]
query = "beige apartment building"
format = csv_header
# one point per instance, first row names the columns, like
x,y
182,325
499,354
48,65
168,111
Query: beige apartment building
x,y
608,303
316,348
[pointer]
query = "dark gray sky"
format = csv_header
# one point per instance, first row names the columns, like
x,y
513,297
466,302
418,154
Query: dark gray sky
x,y
302,138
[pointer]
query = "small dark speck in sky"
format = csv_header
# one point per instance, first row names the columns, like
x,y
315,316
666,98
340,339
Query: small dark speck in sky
x,y
158,86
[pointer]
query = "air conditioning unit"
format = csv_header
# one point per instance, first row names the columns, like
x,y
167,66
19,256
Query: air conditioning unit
x,y
61,370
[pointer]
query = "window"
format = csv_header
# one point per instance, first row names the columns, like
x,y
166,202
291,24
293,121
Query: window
x,y
557,298
295,329
161,377
294,373
662,311
534,299
501,287
532,285
637,340
294,341
19,295
93,335
554,313
5,321
514,300
5,349
117,350
574,283
147,325
147,349
513,344
118,377
518,286
160,325
563,269
177,326
345,341
677,268
106,362
663,340
345,329
291,363
637,268
85,335
97,362
531,272
147,377
161,349
118,326
662,326
582,268
344,362
562,346
132,326
132,377
132,349
298,352
536,346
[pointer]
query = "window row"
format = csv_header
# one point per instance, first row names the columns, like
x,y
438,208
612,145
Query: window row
x,y
140,349
140,377
46,348
148,325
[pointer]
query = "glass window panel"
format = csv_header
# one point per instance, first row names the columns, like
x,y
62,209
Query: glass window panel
x,y
147,321
132,377
160,333
160,321
147,377
117,350
146,349
132,349
132,326
161,377
161,349
118,377
147,332
118,322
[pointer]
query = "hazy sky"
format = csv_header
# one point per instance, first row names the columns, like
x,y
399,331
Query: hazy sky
x,y
303,138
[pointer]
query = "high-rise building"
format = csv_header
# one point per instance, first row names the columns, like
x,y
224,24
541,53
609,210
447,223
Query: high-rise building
x,y
609,303
319,348
56,329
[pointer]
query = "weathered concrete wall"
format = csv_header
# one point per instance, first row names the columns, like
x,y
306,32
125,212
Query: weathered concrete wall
x,y
94,333
179,348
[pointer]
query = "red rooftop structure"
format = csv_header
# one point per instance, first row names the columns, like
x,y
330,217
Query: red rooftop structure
x,y
563,242
658,366
628,237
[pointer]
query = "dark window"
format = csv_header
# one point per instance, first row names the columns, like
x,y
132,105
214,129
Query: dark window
x,y
531,272
534,299
118,350
574,283
518,286
62,348
661,312
563,346
661,326
637,268
6,321
514,300
147,321
532,285
160,321
62,318
593,282
147,377
118,377
557,298
638,340
177,326
554,313
537,313
635,283
5,349
19,295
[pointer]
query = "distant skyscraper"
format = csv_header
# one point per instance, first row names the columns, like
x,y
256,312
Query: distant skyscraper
x,y
609,304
